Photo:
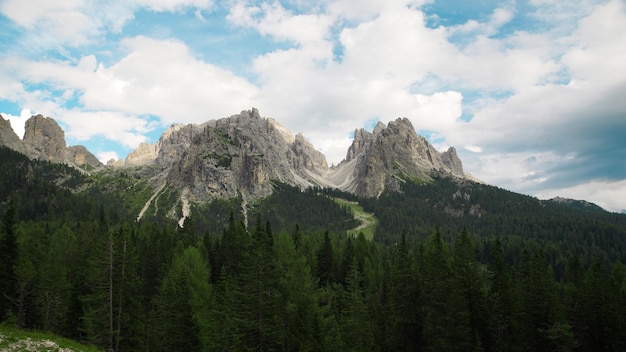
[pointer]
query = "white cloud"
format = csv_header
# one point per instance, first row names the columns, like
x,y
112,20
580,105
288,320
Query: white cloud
x,y
18,122
160,78
74,23
607,194
175,5
339,66
105,156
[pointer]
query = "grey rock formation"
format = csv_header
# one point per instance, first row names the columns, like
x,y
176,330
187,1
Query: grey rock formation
x,y
115,162
144,154
238,155
174,142
79,156
9,139
243,154
46,138
389,155
311,159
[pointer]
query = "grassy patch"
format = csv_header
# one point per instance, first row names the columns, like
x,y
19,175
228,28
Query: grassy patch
x,y
13,339
368,220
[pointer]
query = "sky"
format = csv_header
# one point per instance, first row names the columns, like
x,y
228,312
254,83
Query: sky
x,y
532,93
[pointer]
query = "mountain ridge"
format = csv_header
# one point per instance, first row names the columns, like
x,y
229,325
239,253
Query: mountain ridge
x,y
241,155
44,140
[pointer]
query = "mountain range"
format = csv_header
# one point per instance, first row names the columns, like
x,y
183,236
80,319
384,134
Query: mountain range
x,y
244,153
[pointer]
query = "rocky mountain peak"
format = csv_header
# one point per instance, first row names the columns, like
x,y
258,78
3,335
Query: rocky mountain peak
x,y
238,155
46,137
145,154
388,155
8,137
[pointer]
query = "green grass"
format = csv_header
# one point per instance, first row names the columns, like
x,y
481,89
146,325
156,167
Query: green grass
x,y
13,339
368,220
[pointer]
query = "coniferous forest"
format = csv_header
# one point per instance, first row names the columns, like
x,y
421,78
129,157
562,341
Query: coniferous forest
x,y
451,267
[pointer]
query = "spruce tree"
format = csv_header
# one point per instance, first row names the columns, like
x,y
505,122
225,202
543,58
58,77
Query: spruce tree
x,y
8,260
183,303
325,261
404,300
446,318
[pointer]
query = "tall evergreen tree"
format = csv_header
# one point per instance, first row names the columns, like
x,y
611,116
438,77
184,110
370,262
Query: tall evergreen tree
x,y
356,322
325,261
259,295
112,299
446,318
8,260
298,310
469,279
182,304
404,300
598,329
500,305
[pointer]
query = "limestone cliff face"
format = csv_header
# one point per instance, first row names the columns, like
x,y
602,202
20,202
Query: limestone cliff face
x,y
45,140
239,155
79,156
387,156
144,154
174,143
242,154
9,139
46,137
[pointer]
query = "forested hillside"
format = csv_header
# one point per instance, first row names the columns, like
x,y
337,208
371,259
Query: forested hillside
x,y
453,267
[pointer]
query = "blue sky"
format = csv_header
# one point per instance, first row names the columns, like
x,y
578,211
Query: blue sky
x,y
531,93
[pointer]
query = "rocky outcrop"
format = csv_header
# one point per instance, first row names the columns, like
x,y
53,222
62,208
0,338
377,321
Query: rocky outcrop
x,y
115,163
46,137
243,154
9,139
45,140
174,143
79,156
389,155
239,155
144,154
307,156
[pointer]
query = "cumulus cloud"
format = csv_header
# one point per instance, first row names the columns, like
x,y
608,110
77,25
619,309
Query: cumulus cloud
x,y
115,99
105,156
18,123
542,107
53,24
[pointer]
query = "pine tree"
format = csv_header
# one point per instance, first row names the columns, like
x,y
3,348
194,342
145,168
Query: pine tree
x,y
182,304
355,321
259,295
446,319
8,260
500,305
404,300
599,327
469,279
325,261
112,301
298,310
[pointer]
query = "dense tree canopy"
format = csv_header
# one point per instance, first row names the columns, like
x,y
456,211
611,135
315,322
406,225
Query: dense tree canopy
x,y
437,277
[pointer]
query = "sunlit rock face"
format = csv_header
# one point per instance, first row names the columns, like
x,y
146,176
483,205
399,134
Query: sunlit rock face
x,y
239,155
242,155
46,137
389,155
